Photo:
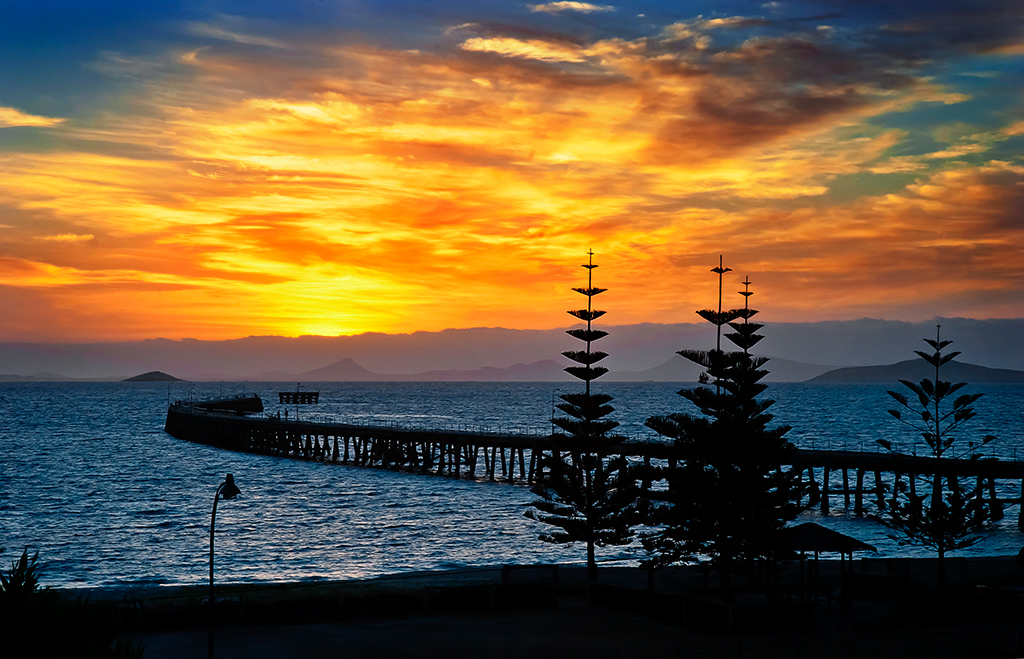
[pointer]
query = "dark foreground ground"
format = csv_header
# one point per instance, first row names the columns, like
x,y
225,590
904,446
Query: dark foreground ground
x,y
892,611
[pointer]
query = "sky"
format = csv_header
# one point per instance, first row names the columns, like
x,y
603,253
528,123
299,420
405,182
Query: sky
x,y
217,169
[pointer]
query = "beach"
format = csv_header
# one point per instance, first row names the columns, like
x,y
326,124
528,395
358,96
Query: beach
x,y
535,611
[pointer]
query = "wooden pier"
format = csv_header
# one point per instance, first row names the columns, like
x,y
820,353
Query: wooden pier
x,y
515,457
441,452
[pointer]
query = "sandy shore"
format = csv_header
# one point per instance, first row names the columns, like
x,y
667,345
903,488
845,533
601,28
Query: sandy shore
x,y
531,612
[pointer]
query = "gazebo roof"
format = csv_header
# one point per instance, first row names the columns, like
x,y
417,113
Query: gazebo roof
x,y
815,537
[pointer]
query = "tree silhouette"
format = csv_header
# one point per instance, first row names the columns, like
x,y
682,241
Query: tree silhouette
x,y
729,494
946,518
586,494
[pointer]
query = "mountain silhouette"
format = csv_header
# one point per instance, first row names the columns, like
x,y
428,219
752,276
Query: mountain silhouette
x,y
917,369
994,343
348,370
153,376
678,369
343,370
546,370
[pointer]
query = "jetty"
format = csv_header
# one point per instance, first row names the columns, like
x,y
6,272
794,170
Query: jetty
x,y
865,477
458,453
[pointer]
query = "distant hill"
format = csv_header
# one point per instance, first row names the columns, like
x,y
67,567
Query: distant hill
x,y
917,369
631,349
348,370
546,370
676,369
679,369
343,370
153,376
38,377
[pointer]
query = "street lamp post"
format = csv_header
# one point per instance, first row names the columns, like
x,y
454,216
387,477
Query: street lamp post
x,y
228,490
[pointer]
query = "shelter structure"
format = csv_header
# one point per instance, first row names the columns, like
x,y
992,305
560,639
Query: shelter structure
x,y
811,537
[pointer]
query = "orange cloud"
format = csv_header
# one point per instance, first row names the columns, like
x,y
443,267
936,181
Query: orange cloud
x,y
68,237
14,117
582,7
350,188
531,49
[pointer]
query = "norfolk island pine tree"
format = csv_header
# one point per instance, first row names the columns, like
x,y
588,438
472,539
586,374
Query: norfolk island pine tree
x,y
585,493
946,518
729,494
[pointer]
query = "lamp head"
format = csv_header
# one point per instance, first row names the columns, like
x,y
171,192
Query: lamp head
x,y
228,489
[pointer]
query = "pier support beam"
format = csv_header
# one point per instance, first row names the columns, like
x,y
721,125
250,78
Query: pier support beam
x,y
995,507
1020,513
824,491
858,495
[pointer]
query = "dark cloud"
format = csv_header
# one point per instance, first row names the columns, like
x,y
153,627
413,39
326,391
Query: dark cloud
x,y
768,86
928,29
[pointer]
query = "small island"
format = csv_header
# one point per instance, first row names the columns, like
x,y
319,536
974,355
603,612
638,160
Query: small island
x,y
153,376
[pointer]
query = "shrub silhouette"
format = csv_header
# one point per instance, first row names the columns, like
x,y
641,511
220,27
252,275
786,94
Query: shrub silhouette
x,y
37,622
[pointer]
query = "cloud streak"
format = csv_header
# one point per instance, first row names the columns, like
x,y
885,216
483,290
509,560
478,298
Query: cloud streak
x,y
582,7
11,117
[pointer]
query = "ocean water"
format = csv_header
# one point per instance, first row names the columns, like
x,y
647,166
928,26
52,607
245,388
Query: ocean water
x,y
90,480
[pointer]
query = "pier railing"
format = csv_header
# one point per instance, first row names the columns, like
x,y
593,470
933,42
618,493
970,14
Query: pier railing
x,y
412,424
512,453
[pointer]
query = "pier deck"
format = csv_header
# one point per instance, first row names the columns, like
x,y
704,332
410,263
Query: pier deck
x,y
515,457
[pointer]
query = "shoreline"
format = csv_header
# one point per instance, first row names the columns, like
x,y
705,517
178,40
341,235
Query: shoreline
x,y
538,610
982,570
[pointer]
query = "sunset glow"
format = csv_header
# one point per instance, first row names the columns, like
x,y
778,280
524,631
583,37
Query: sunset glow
x,y
335,171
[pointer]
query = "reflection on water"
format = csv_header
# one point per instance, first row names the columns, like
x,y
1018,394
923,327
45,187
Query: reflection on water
x,y
90,479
